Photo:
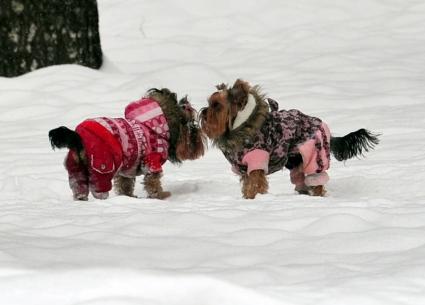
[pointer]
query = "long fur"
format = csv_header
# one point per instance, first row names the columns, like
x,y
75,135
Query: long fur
x,y
124,185
153,186
353,144
63,137
254,183
192,142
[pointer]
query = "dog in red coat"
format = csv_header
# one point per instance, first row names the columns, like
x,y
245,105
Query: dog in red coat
x,y
154,129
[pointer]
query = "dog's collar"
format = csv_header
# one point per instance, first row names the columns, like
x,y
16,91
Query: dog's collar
x,y
243,115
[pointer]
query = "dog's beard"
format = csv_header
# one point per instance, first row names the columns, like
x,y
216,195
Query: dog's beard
x,y
214,123
191,144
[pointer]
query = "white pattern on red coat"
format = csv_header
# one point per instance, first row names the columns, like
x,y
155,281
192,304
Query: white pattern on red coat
x,y
148,115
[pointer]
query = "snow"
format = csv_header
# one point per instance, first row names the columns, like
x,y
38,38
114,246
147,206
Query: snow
x,y
352,63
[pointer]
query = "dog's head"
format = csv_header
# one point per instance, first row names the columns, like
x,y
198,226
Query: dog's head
x,y
186,139
223,106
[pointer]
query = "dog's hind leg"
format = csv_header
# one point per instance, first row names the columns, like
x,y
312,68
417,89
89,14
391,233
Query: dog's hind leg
x,y
124,185
298,179
315,183
312,185
77,176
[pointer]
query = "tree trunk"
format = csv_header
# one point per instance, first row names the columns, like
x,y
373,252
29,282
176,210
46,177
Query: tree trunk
x,y
40,33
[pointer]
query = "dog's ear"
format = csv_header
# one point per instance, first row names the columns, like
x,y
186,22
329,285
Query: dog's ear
x,y
163,94
222,86
238,94
171,96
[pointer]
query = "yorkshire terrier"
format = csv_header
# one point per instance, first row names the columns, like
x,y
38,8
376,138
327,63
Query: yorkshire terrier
x,y
258,139
154,129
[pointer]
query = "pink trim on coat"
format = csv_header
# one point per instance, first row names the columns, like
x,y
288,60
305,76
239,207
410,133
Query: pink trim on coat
x,y
257,159
316,179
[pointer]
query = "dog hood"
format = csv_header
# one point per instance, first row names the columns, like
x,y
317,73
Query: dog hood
x,y
148,112
245,113
247,122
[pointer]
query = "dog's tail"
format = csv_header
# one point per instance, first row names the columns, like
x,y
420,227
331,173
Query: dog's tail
x,y
353,144
63,137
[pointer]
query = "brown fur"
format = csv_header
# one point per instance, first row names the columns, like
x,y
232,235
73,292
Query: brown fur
x,y
238,94
318,190
215,118
153,186
254,183
235,139
192,142
124,185
190,146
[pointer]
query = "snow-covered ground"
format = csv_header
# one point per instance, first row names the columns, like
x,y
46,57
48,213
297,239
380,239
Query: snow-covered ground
x,y
352,63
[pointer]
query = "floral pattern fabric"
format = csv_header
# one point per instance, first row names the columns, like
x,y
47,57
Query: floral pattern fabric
x,y
281,135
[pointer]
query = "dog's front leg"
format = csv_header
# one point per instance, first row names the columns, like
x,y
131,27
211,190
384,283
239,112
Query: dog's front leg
x,y
124,185
254,183
153,186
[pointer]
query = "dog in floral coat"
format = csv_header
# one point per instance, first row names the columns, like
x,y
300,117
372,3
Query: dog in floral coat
x,y
154,129
258,139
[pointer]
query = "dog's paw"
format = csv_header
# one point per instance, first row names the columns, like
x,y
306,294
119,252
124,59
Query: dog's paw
x,y
161,195
100,195
302,189
249,193
81,198
318,190
164,195
249,196
262,189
